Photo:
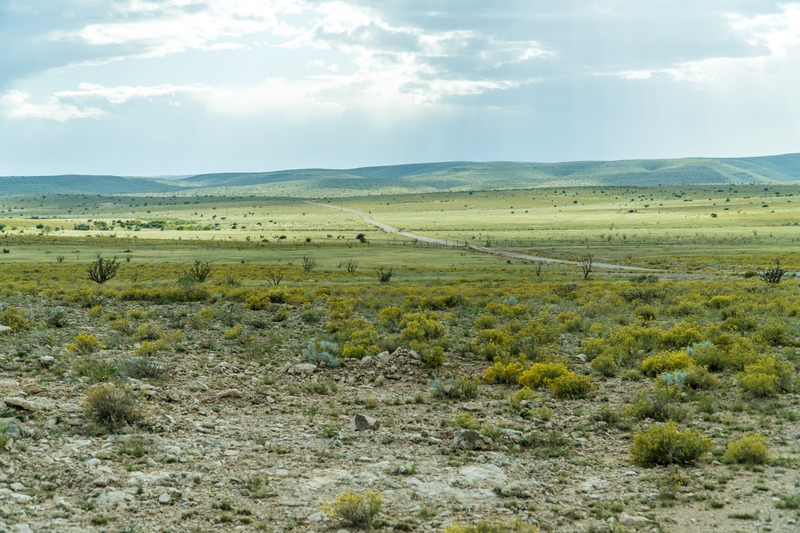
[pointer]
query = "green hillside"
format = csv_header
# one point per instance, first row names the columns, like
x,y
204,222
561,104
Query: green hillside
x,y
428,177
81,184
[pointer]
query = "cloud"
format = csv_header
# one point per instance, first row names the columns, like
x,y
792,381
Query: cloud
x,y
773,38
14,104
88,100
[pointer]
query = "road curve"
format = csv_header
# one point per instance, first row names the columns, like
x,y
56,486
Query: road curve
x,y
443,242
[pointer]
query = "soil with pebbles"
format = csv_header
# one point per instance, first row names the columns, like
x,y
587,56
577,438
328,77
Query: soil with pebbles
x,y
230,446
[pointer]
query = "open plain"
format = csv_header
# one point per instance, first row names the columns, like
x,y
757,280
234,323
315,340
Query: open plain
x,y
262,364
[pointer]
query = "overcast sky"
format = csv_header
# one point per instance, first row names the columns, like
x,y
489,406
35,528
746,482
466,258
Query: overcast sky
x,y
155,87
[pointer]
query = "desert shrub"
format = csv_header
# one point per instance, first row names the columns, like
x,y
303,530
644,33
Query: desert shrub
x,y
255,302
525,394
149,331
358,510
665,445
143,368
680,336
646,312
84,344
604,365
541,374
766,377
95,368
461,388
571,321
112,407
664,362
420,327
389,318
773,332
232,333
487,527
772,276
57,318
750,449
322,351
485,321
699,378
14,318
149,348
570,386
432,356
465,421
660,405
506,369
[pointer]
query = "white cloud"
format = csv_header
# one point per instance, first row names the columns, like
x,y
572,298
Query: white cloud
x,y
775,38
86,101
15,105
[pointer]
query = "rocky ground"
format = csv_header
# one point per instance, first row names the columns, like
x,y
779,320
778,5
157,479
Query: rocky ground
x,y
231,446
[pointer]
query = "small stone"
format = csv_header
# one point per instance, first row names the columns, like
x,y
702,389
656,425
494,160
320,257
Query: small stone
x,y
367,361
363,422
17,487
471,406
469,439
627,519
317,517
21,499
198,385
47,361
150,462
164,498
304,368
22,528
230,393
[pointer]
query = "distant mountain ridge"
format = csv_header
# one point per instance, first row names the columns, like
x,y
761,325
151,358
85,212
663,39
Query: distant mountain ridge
x,y
426,177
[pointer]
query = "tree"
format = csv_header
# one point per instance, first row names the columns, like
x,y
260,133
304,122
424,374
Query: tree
x,y
586,265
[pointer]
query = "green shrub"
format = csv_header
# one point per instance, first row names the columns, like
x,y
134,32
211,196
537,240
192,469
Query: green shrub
x,y
14,318
665,445
358,510
604,365
664,362
486,527
84,344
660,405
766,377
541,374
506,369
112,406
570,386
749,449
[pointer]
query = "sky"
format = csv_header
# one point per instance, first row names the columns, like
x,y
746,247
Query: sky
x,y
173,87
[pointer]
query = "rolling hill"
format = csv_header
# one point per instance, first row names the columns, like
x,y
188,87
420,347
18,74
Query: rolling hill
x,y
428,177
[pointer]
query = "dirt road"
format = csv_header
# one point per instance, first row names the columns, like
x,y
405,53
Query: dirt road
x,y
443,242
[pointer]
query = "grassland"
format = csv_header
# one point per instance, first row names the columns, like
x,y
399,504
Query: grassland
x,y
616,402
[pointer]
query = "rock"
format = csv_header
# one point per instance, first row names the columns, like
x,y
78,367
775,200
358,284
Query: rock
x,y
4,329
317,517
22,528
304,368
47,361
198,385
21,403
471,406
490,474
363,422
580,357
627,519
367,361
230,393
469,439
21,499
164,498
112,498
62,503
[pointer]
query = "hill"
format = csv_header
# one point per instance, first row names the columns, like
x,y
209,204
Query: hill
x,y
429,177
